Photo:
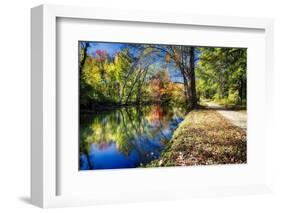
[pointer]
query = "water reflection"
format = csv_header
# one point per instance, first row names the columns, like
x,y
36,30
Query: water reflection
x,y
126,137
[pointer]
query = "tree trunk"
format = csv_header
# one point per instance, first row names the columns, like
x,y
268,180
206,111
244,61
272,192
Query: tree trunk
x,y
118,92
241,91
132,86
185,83
192,84
82,86
138,100
82,62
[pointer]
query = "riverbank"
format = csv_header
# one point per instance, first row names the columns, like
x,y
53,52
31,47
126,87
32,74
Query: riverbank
x,y
112,106
205,137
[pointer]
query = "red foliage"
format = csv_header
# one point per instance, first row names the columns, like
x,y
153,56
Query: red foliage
x,y
155,116
100,55
99,52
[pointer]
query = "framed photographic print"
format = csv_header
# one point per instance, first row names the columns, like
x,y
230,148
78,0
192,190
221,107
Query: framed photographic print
x,y
149,106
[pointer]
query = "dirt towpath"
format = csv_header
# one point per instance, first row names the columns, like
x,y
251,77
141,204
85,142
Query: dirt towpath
x,y
236,117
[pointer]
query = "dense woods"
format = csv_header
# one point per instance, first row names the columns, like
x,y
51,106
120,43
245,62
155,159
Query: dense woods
x,y
170,74
221,75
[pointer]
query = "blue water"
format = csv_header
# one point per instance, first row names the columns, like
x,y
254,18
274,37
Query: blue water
x,y
126,137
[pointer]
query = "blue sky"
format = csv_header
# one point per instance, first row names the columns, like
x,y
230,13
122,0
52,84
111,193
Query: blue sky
x,y
111,48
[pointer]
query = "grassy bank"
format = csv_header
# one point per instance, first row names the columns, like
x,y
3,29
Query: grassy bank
x,y
204,137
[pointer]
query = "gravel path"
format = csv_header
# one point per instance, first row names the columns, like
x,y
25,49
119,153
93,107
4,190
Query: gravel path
x,y
236,117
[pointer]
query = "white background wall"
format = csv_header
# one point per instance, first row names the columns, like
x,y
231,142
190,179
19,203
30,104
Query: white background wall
x,y
15,104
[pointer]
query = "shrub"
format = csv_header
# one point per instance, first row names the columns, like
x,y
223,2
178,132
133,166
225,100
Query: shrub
x,y
233,97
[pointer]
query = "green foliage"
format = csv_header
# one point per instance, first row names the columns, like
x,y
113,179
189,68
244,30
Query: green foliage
x,y
137,75
117,80
233,97
221,75
103,77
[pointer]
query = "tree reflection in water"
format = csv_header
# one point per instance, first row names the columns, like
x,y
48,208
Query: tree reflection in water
x,y
126,137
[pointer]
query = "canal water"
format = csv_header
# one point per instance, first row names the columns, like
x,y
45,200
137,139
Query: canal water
x,y
127,137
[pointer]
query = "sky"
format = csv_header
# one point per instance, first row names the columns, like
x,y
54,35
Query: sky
x,y
111,48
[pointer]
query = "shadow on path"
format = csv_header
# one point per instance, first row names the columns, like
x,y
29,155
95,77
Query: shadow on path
x,y
235,114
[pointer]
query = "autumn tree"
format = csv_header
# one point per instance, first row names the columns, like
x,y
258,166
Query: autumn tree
x,y
183,57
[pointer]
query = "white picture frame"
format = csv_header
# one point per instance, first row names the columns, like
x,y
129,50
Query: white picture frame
x,y
44,154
